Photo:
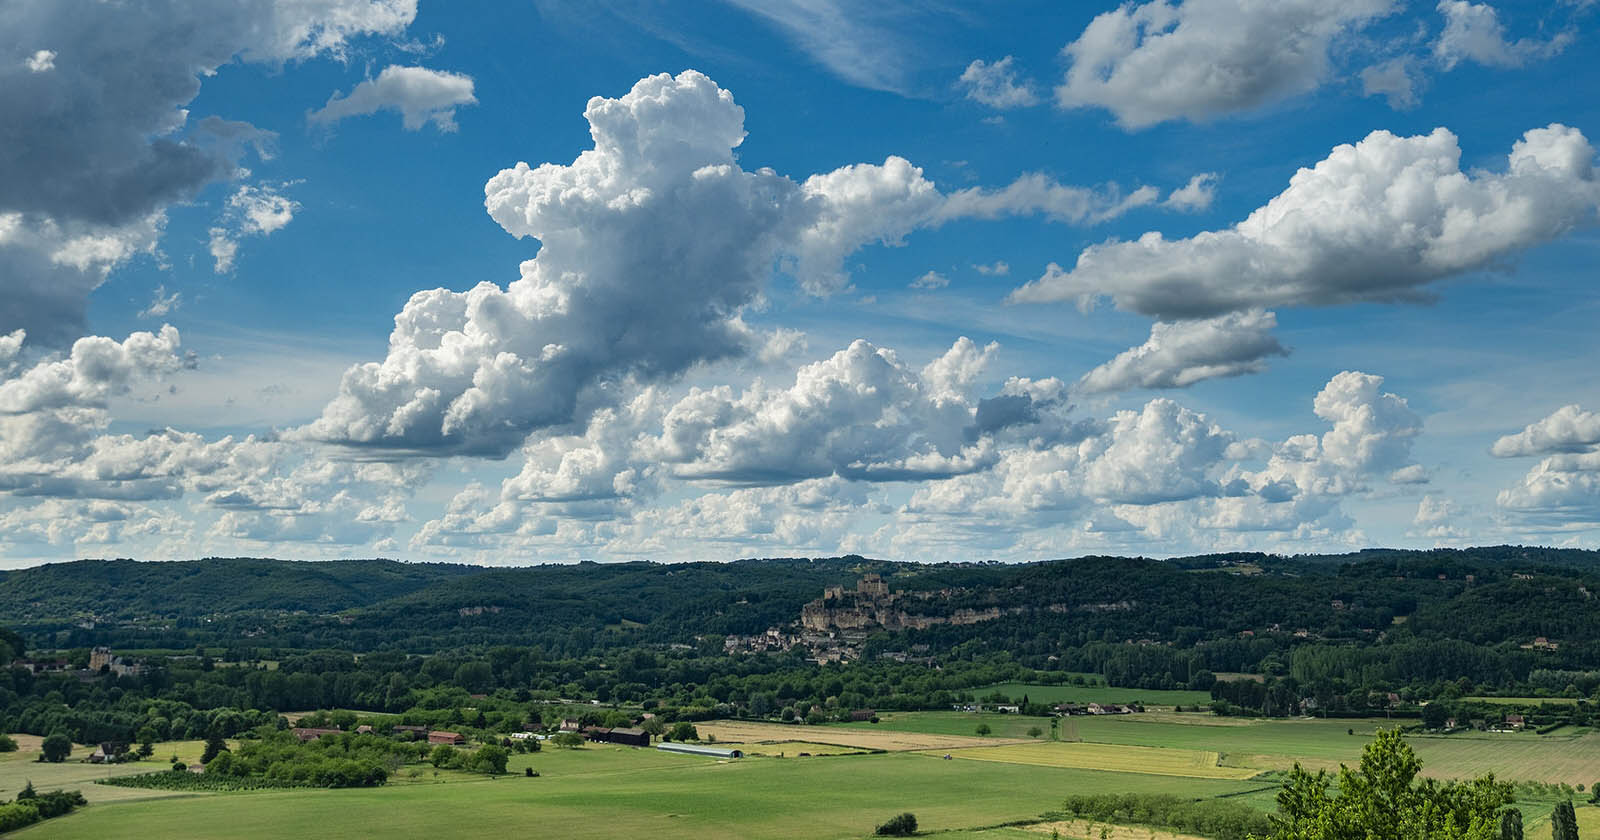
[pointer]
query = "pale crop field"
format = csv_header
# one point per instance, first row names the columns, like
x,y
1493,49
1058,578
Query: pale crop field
x,y
845,736
1156,761
789,749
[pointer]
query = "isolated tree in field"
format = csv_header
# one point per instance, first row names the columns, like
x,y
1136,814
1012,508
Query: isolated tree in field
x,y
442,755
1382,798
1563,822
983,729
214,746
1511,824
900,825
683,731
654,726
55,748
1034,732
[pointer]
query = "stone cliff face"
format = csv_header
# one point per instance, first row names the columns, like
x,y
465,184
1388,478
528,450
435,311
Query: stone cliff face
x,y
875,608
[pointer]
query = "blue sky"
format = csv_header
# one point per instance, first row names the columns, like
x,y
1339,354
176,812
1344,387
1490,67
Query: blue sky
x,y
1000,281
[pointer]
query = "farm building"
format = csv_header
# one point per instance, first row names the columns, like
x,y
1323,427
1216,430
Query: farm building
x,y
571,725
442,737
696,749
863,714
309,734
597,733
630,737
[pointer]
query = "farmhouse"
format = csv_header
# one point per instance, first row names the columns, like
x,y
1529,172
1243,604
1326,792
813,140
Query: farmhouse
x,y
442,737
1516,721
696,749
597,733
106,752
571,725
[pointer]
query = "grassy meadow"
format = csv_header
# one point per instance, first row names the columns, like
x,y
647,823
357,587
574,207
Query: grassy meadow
x,y
984,787
1095,694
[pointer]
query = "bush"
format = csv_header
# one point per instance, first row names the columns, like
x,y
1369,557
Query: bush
x,y
902,825
7,744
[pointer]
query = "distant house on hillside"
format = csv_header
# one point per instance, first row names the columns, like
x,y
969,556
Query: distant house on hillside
x,y
1516,721
443,737
106,752
571,725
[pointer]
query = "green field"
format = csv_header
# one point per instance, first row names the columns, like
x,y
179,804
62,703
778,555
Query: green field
x,y
954,723
603,792
19,768
1523,701
1200,764
1094,694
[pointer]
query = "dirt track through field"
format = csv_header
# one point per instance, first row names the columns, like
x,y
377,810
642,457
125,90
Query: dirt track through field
x,y
868,739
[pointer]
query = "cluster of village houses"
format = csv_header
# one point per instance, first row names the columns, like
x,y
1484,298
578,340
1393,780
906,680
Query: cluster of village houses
x,y
101,662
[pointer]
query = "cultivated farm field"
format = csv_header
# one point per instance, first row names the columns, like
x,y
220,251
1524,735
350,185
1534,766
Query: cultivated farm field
x,y
20,767
1202,764
604,792
1095,694
886,738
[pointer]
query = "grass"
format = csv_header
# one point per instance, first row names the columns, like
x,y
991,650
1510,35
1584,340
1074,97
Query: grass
x,y
602,792
1094,694
1200,764
19,768
1523,701
954,723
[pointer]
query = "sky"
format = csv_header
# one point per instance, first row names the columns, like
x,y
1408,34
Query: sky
x,y
550,281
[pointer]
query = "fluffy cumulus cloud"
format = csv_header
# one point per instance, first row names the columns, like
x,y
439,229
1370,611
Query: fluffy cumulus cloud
x,y
1563,487
630,285
1376,221
1167,474
997,84
1473,32
419,95
1185,352
1201,59
250,211
95,141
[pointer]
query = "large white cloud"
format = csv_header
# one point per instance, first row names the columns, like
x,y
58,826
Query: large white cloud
x,y
1180,354
1564,486
95,141
1376,221
1200,59
653,243
419,94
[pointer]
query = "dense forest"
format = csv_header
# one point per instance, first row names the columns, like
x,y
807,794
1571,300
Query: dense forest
x,y
227,645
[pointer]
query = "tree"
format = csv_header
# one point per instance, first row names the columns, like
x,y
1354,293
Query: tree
x,y
442,755
569,740
983,729
7,744
900,825
1379,799
27,792
1511,824
1434,715
56,748
489,759
214,746
654,726
683,731
1563,822
1034,732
